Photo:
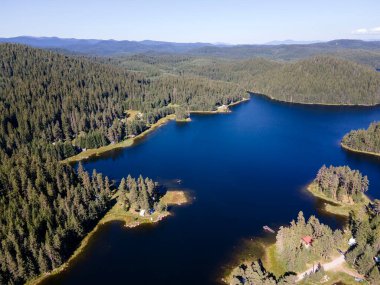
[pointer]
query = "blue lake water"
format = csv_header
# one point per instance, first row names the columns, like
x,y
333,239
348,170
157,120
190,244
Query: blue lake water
x,y
245,169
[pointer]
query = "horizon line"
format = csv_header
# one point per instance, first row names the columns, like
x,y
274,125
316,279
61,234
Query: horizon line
x,y
272,42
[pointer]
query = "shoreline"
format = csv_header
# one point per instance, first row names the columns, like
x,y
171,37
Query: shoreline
x,y
187,120
269,259
221,112
335,207
130,220
125,143
130,141
273,264
345,147
314,104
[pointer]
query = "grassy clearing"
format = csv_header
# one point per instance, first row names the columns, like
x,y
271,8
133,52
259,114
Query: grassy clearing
x,y
335,207
132,114
175,197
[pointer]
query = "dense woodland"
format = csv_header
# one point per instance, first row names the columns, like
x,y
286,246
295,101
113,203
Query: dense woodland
x,y
364,140
69,100
323,80
365,228
140,194
46,209
341,183
51,106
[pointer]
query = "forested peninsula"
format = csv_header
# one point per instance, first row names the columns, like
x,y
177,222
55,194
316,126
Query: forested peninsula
x,y
363,141
306,252
343,188
304,243
52,106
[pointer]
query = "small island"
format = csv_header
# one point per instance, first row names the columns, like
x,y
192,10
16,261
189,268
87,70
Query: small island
x,y
363,141
343,189
140,201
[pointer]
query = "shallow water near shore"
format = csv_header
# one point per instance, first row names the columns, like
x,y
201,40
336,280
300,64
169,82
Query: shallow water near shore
x,y
245,169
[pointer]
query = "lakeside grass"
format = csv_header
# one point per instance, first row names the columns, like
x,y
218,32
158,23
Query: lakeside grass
x,y
130,219
272,263
175,197
359,151
335,207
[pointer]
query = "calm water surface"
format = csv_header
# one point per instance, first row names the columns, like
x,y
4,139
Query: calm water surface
x,y
245,169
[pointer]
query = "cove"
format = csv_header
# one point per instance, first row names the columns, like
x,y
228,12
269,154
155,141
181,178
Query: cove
x,y
245,169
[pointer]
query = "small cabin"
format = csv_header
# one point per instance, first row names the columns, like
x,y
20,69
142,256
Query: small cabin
x,y
307,241
351,241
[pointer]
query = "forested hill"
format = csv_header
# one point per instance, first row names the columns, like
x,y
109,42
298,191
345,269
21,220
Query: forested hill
x,y
320,79
323,80
50,105
56,98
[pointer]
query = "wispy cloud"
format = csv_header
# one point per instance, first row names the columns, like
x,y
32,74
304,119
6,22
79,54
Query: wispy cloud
x,y
367,31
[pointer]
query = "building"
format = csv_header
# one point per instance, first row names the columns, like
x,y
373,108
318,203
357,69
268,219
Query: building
x,y
351,241
307,241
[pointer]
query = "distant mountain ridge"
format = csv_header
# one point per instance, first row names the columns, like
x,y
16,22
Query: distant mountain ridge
x,y
291,42
105,47
276,50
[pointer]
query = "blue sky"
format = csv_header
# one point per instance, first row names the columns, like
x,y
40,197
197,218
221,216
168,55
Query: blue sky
x,y
225,21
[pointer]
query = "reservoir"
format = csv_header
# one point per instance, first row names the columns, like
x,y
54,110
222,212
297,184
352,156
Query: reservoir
x,y
245,170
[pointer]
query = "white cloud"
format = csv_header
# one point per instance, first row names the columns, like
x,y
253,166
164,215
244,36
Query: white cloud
x,y
366,31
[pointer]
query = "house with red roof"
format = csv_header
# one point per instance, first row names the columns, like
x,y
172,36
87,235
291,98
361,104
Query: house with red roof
x,y
307,241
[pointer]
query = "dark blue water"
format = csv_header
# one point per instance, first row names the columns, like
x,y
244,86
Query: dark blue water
x,y
246,169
